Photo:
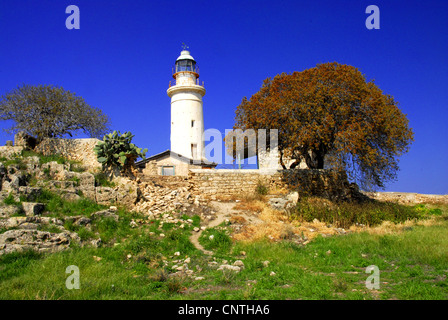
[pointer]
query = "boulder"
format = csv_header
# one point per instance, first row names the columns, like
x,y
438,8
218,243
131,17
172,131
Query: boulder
x,y
128,194
41,241
30,193
33,208
8,210
70,196
105,195
21,139
104,214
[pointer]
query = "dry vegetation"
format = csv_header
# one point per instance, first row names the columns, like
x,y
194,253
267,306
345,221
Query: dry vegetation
x,y
279,225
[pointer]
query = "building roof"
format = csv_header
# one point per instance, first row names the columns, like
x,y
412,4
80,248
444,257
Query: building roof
x,y
170,153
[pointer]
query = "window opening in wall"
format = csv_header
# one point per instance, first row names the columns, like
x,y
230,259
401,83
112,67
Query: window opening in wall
x,y
167,170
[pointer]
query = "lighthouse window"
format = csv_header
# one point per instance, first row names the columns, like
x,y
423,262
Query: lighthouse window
x,y
185,65
192,123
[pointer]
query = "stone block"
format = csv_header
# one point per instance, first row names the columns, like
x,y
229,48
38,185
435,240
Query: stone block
x,y
105,195
33,208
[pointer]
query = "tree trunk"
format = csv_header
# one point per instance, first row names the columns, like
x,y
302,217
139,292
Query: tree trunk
x,y
281,160
320,161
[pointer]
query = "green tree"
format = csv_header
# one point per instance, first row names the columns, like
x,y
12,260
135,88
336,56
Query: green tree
x,y
330,112
47,111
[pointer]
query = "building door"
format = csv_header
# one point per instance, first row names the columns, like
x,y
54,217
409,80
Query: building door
x,y
194,150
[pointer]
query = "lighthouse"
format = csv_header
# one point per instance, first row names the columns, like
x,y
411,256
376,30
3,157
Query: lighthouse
x,y
187,117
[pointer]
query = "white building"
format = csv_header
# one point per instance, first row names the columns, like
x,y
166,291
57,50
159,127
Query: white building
x,y
187,117
187,123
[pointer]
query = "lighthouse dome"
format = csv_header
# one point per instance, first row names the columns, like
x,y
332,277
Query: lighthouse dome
x,y
185,55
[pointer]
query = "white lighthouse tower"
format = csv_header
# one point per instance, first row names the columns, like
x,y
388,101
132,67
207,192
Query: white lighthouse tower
x,y
187,118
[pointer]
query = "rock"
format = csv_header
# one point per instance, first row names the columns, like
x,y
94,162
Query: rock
x,y
81,221
277,203
328,252
199,278
177,253
196,229
30,193
105,195
113,208
70,196
13,181
128,194
33,208
97,243
251,282
8,210
21,139
266,263
211,237
86,180
272,273
229,267
239,263
29,226
188,260
41,241
104,214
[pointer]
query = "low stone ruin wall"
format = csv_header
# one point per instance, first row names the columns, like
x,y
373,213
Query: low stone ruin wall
x,y
9,152
229,182
222,182
408,198
73,149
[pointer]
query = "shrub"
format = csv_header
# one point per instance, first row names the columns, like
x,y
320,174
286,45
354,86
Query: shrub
x,y
261,188
117,151
345,214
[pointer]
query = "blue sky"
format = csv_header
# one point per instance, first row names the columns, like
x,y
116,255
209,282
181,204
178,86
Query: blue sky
x,y
120,60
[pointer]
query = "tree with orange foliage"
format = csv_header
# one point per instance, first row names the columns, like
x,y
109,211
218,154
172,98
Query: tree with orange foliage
x,y
330,112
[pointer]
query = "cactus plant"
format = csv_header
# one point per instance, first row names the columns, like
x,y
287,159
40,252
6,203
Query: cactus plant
x,y
117,151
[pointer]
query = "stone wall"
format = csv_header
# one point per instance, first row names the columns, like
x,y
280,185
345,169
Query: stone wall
x,y
408,197
9,152
227,182
230,182
73,149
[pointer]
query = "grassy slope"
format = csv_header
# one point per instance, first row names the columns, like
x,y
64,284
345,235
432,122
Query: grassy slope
x,y
413,265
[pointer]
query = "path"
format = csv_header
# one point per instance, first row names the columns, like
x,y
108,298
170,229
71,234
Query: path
x,y
224,210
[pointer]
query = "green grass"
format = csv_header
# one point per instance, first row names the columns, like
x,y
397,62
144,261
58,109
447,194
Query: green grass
x,y
413,265
60,207
134,263
75,166
216,239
